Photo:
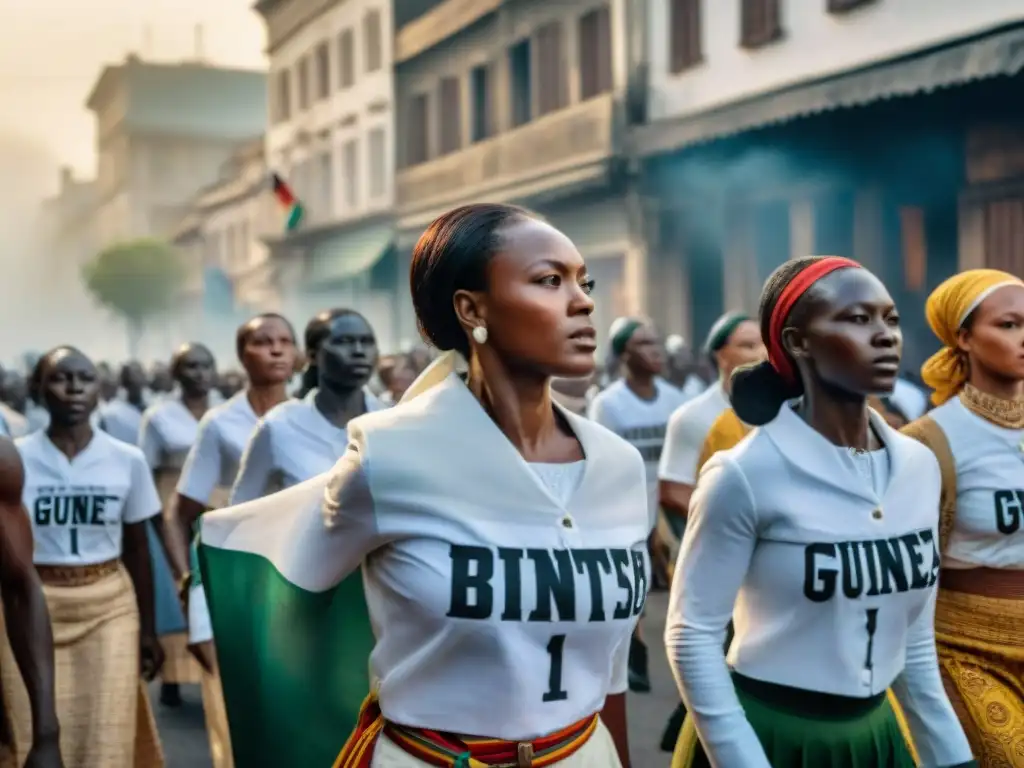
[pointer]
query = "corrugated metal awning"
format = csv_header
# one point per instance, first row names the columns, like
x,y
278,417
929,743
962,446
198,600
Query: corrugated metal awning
x,y
997,53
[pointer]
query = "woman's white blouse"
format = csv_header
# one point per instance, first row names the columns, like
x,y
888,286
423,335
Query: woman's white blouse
x,y
292,443
988,529
477,567
79,506
830,583
214,457
167,432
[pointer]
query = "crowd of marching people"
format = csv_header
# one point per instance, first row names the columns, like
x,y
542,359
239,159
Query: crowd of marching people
x,y
843,544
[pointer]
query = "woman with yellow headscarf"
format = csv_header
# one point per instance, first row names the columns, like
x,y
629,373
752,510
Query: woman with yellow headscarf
x,y
977,433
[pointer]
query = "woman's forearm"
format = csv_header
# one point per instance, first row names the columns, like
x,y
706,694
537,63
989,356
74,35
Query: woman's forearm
x,y
137,561
31,639
177,537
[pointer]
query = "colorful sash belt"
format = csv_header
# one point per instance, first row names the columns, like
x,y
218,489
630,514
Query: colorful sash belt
x,y
446,750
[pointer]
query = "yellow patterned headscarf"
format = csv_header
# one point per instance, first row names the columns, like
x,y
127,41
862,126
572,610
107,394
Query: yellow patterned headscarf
x,y
946,310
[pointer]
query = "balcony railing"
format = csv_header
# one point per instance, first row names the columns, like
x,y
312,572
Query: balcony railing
x,y
562,141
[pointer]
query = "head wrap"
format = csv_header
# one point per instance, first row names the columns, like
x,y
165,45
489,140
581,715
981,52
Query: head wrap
x,y
946,310
722,330
796,288
622,331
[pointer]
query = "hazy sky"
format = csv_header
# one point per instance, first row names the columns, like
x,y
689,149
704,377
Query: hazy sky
x,y
52,51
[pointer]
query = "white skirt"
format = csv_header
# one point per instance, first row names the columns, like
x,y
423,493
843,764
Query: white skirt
x,y
598,752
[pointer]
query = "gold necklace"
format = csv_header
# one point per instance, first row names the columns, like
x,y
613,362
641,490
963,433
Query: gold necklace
x,y
1001,412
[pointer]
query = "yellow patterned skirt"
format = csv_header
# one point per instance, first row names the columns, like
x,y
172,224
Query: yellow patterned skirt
x,y
102,704
981,653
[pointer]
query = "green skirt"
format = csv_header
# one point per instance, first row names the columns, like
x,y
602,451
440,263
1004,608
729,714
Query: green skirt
x,y
806,729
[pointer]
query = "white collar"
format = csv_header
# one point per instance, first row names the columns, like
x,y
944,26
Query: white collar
x,y
808,452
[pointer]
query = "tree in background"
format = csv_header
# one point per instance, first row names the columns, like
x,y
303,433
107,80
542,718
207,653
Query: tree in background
x,y
138,280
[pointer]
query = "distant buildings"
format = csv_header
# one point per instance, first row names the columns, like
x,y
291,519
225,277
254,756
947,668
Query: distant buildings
x,y
221,235
687,147
331,135
521,101
70,241
885,130
163,132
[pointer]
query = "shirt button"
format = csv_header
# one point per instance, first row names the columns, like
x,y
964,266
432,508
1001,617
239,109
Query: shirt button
x,y
567,522
877,513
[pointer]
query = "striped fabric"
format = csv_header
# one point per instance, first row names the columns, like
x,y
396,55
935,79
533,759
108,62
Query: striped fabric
x,y
449,751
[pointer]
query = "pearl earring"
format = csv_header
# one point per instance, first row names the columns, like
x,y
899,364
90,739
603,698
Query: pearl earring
x,y
480,334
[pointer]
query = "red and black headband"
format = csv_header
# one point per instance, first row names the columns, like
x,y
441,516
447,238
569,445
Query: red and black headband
x,y
796,288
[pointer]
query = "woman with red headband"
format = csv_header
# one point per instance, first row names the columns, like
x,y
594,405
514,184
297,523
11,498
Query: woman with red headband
x,y
817,535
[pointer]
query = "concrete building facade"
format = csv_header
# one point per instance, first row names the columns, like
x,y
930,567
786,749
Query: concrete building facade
x,y
885,130
331,137
222,236
522,101
164,132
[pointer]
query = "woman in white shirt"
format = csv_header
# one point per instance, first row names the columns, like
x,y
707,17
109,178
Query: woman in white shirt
x,y
733,341
90,497
266,349
502,539
977,433
166,433
121,415
818,536
300,439
637,408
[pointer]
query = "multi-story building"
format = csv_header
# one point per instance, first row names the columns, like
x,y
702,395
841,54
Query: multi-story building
x,y
163,131
521,101
230,275
331,138
886,130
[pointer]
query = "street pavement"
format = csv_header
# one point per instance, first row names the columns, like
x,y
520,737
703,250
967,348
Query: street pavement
x,y
648,712
182,729
184,734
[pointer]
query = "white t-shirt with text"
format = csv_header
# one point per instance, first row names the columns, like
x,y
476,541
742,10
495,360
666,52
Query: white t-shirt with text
x,y
78,507
687,430
988,529
641,423
827,563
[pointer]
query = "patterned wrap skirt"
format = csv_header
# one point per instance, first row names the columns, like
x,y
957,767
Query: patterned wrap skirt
x,y
102,704
981,654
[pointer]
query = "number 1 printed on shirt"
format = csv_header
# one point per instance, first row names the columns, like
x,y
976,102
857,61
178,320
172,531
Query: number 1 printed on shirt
x,y
74,540
556,646
872,626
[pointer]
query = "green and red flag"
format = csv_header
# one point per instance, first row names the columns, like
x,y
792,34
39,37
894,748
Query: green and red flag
x,y
289,202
